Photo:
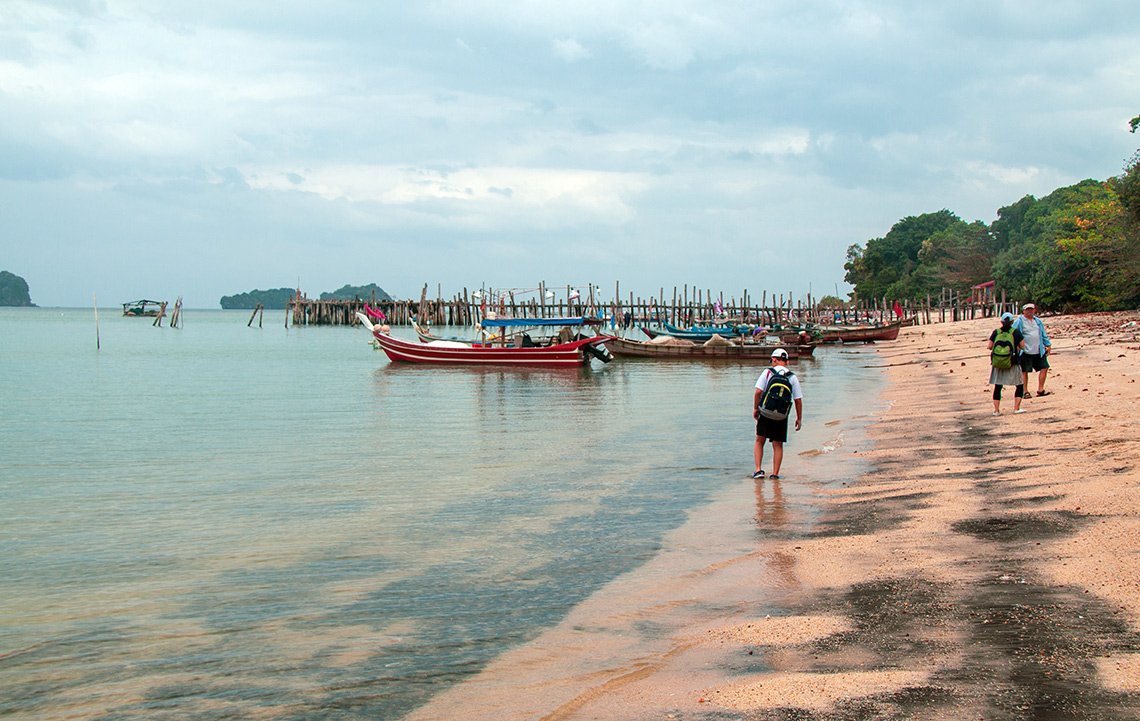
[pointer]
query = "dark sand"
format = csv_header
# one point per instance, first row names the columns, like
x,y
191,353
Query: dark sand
x,y
984,568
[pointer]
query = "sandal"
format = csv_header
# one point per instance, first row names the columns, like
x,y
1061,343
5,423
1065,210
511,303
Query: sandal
x,y
759,474
774,477
1044,393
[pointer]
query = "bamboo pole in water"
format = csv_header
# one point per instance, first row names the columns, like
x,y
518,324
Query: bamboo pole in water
x,y
96,302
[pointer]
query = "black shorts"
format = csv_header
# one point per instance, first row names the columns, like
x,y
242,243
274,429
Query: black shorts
x,y
1033,362
773,430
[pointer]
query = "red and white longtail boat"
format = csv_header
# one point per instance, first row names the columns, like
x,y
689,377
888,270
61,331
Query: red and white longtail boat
x,y
571,353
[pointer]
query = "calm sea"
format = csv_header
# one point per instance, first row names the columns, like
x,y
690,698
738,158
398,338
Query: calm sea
x,y
220,521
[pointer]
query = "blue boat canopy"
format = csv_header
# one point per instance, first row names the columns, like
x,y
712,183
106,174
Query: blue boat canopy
x,y
534,322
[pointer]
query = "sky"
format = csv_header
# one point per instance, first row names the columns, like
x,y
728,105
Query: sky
x,y
156,149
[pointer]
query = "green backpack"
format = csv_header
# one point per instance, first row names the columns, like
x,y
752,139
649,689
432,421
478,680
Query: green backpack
x,y
1001,357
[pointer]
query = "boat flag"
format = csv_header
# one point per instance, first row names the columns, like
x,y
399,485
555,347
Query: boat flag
x,y
898,310
375,312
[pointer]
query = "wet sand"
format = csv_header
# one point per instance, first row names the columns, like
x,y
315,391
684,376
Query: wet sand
x,y
980,567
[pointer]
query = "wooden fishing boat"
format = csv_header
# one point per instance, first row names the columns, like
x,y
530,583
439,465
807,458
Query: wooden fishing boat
x,y
859,334
680,349
747,332
575,352
697,334
706,332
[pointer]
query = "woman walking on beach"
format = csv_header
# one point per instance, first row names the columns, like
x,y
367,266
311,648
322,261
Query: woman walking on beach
x,y
1005,343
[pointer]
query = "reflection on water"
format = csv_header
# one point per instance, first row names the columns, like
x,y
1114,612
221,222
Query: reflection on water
x,y
771,514
224,521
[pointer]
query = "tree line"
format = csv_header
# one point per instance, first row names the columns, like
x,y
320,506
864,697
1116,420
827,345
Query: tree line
x,y
1076,249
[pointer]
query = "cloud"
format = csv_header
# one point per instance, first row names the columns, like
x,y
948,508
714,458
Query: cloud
x,y
981,171
620,137
466,198
570,50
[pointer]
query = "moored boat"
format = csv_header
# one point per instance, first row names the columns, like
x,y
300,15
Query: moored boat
x,y
706,332
859,334
574,352
682,349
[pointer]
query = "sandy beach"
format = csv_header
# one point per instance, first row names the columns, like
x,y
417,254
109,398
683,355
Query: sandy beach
x,y
979,566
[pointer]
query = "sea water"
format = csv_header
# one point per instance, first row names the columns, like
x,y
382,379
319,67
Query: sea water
x,y
223,521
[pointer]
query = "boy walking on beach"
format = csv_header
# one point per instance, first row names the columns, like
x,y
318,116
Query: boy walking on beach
x,y
777,389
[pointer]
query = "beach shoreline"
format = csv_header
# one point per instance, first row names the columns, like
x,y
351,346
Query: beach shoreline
x,y
981,566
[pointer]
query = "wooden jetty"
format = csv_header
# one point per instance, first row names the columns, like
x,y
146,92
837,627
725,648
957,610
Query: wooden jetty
x,y
686,306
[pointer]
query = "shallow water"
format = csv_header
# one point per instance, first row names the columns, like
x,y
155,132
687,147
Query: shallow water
x,y
220,521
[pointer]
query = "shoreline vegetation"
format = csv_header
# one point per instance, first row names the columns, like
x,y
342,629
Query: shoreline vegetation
x,y
979,565
1074,250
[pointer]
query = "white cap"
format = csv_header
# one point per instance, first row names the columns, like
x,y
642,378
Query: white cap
x,y
780,353
1028,305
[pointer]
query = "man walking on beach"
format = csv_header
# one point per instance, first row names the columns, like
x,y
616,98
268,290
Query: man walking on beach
x,y
1034,356
776,390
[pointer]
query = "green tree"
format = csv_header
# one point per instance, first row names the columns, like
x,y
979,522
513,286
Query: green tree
x,y
958,257
1127,187
1099,238
831,301
886,266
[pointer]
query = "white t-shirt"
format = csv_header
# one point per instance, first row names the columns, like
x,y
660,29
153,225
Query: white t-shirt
x,y
1032,335
762,381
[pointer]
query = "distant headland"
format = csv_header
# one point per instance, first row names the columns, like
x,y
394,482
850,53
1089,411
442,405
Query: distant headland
x,y
14,290
278,298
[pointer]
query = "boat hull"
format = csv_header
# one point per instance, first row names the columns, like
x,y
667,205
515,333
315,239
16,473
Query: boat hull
x,y
861,335
664,351
399,350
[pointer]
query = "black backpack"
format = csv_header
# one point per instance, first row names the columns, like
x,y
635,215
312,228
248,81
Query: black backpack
x,y
776,402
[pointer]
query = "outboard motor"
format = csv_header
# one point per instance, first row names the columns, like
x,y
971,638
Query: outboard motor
x,y
600,351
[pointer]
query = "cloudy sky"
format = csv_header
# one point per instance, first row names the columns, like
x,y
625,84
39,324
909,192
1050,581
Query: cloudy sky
x,y
153,148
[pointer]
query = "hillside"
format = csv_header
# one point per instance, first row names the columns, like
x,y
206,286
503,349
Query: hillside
x,y
14,290
275,299
278,298
351,292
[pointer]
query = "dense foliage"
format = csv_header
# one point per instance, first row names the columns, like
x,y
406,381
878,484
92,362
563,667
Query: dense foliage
x,y
1077,248
13,290
352,292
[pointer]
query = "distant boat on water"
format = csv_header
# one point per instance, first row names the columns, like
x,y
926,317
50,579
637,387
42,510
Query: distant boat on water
x,y
143,308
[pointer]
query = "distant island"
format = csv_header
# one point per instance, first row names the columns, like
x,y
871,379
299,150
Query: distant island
x,y
14,290
278,298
